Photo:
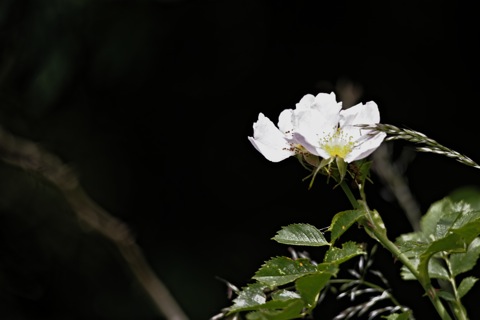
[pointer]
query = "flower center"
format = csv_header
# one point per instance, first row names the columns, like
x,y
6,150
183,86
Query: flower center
x,y
337,144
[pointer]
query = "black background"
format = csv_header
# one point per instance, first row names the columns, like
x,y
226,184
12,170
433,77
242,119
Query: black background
x,y
152,101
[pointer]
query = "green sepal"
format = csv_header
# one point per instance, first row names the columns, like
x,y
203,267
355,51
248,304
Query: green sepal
x,y
342,168
311,159
323,164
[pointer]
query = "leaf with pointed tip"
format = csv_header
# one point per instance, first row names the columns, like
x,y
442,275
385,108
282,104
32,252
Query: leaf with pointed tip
x,y
281,270
301,234
445,295
342,221
249,298
465,286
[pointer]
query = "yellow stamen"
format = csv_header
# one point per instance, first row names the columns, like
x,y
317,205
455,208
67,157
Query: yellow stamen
x,y
338,144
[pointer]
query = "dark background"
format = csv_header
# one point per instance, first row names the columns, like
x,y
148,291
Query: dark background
x,y
152,101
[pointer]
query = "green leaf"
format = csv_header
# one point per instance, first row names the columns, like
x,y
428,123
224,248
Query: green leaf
x,y
342,221
429,221
448,227
278,310
249,298
436,270
468,231
451,243
445,215
463,262
445,295
412,244
301,234
310,287
349,250
281,270
465,286
285,295
330,268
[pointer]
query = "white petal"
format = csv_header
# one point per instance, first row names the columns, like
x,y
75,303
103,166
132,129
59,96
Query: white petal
x,y
314,148
366,147
285,122
313,125
360,114
327,104
306,102
269,140
354,132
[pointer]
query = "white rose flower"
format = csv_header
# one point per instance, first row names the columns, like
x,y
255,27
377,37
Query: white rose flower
x,y
319,126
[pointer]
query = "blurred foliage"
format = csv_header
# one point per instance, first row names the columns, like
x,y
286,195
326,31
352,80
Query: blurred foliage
x,y
58,59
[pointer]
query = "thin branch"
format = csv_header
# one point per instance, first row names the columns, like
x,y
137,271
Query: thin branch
x,y
31,157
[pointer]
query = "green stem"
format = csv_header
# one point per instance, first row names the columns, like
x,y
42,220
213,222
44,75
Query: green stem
x,y
456,305
349,194
377,232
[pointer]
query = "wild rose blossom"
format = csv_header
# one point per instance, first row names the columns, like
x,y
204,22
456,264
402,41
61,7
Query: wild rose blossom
x,y
319,126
